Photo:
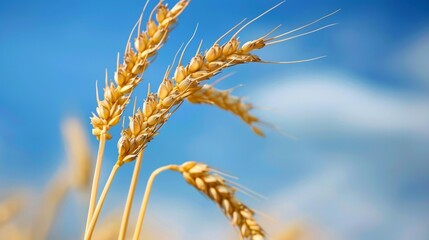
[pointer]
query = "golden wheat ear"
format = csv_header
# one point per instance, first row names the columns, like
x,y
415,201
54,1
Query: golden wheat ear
x,y
226,101
136,59
215,187
187,80
126,78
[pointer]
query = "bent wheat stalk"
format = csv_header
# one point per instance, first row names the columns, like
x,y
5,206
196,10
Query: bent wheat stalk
x,y
145,201
212,185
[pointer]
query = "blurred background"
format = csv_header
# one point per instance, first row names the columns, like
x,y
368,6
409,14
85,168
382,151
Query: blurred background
x,y
356,168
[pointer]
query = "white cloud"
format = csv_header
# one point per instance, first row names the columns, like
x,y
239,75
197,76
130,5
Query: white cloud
x,y
183,220
324,101
335,202
412,60
328,201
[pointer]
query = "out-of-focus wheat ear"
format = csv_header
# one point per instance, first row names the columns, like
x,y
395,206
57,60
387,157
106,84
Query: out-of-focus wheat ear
x,y
212,185
11,207
226,101
14,231
78,153
77,175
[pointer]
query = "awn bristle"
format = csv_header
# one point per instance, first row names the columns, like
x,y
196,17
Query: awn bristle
x,y
207,94
212,185
128,74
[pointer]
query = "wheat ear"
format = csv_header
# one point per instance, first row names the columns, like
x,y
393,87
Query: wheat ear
x,y
128,74
127,77
145,124
205,180
207,94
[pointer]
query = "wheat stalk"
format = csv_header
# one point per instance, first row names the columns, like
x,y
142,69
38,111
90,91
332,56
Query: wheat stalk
x,y
207,94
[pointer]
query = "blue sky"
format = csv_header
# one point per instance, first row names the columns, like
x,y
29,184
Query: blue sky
x,y
358,168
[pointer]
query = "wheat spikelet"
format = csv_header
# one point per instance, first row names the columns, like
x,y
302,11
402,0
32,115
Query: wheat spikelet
x,y
207,94
212,185
128,74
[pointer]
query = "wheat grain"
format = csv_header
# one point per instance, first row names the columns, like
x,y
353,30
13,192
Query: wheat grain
x,y
207,94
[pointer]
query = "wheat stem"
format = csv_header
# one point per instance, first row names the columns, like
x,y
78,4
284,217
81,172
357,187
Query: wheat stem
x,y
91,226
146,197
53,197
96,179
130,196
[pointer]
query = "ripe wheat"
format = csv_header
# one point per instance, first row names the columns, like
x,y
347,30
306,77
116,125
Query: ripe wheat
x,y
128,74
212,185
207,94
